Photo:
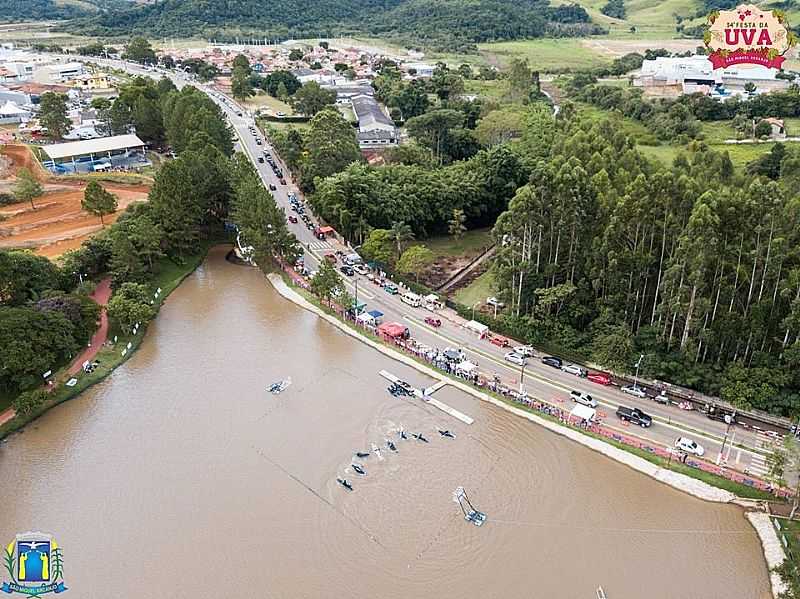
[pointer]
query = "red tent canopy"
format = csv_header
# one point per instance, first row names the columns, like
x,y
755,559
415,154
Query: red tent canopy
x,y
326,230
394,330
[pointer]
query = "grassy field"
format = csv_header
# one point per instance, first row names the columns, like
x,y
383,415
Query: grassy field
x,y
477,291
545,54
633,128
267,102
491,90
470,244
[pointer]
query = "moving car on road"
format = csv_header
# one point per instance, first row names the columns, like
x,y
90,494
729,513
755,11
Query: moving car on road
x,y
391,288
347,270
634,390
583,398
525,350
574,369
634,416
361,269
552,361
515,358
689,446
499,341
434,322
292,219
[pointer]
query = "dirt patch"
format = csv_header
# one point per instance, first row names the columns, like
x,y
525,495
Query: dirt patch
x,y
58,223
618,48
20,156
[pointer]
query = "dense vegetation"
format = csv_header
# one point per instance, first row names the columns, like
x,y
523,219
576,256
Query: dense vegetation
x,y
455,24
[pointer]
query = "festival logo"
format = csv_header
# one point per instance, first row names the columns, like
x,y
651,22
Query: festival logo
x,y
748,35
34,563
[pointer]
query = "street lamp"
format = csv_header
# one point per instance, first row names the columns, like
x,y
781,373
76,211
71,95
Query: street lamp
x,y
636,376
522,375
473,308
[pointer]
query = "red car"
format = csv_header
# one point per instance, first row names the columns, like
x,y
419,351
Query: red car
x,y
292,219
434,322
499,341
599,378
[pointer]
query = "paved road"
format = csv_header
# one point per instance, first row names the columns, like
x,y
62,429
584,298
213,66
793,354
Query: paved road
x,y
744,449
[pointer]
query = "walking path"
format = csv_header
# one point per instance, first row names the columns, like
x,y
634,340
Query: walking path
x,y
101,294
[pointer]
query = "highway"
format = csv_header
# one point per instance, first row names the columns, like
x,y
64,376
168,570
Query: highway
x,y
745,449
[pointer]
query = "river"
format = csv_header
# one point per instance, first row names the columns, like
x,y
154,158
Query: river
x,y
180,476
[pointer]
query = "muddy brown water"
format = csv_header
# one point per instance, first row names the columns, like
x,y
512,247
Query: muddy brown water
x,y
180,476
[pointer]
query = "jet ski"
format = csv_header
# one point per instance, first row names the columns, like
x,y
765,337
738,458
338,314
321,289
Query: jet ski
x,y
403,434
345,483
377,451
391,445
446,433
280,385
419,437
358,469
362,455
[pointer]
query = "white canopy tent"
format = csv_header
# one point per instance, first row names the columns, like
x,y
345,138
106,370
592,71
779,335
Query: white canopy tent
x,y
366,318
582,412
466,367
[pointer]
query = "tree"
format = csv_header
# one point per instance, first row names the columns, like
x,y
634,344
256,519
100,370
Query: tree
x,y
749,87
281,92
378,247
431,129
456,226
325,45
241,61
24,276
763,129
326,283
296,54
98,201
465,71
400,233
520,78
614,9
331,145
241,85
499,126
414,260
27,187
130,304
311,98
53,115
139,50
27,402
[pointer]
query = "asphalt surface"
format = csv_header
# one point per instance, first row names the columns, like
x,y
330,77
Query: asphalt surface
x,y
745,449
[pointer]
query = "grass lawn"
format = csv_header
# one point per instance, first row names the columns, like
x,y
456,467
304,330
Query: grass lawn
x,y
267,102
491,90
477,291
633,128
471,243
545,54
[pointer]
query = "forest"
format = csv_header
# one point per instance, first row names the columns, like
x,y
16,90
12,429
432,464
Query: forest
x,y
450,24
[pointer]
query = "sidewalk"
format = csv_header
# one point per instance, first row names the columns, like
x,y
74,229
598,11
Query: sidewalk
x,y
101,295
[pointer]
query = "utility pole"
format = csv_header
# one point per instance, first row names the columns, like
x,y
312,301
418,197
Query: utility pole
x,y
638,364
473,309
522,375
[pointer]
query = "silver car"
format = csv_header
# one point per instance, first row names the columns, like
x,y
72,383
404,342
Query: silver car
x,y
635,391
515,358
574,369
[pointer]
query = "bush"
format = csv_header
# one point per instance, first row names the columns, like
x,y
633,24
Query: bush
x,y
28,402
7,198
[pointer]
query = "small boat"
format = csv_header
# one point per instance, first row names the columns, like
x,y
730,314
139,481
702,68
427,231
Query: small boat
x,y
362,455
358,469
345,483
403,434
391,445
419,437
446,433
377,451
280,385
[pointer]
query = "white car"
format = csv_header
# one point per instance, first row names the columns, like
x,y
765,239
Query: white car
x,y
525,350
515,358
361,269
583,398
493,301
573,369
689,446
635,391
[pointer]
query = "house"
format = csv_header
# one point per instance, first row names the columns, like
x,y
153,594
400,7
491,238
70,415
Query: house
x,y
346,92
89,82
374,127
62,72
419,69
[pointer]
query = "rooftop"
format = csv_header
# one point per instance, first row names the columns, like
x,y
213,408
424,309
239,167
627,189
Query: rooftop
x,y
369,112
92,146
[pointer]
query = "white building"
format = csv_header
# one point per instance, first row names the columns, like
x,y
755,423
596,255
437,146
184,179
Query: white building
x,y
58,73
10,113
420,69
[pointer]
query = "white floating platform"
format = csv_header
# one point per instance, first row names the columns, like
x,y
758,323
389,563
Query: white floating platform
x,y
427,398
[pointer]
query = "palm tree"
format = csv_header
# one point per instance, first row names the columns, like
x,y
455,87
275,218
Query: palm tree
x,y
401,232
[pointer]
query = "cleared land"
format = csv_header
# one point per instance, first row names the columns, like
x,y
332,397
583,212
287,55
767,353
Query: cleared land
x,y
57,223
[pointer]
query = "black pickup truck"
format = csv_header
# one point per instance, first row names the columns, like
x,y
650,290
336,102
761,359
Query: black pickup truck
x,y
634,416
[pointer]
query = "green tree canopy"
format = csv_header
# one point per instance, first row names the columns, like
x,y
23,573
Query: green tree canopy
x,y
53,115
98,201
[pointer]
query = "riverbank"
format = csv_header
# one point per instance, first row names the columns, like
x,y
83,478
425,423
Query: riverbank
x,y
773,554
170,276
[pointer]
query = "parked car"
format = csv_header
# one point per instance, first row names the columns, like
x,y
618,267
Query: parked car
x,y
574,369
634,416
347,270
391,288
434,322
258,141
635,391
515,359
361,269
499,341
689,446
272,187
330,258
552,361
292,219
583,398
599,378
493,301
525,350
661,398
261,159
282,181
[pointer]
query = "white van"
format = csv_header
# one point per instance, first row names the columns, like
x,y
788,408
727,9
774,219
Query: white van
x,y
412,299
